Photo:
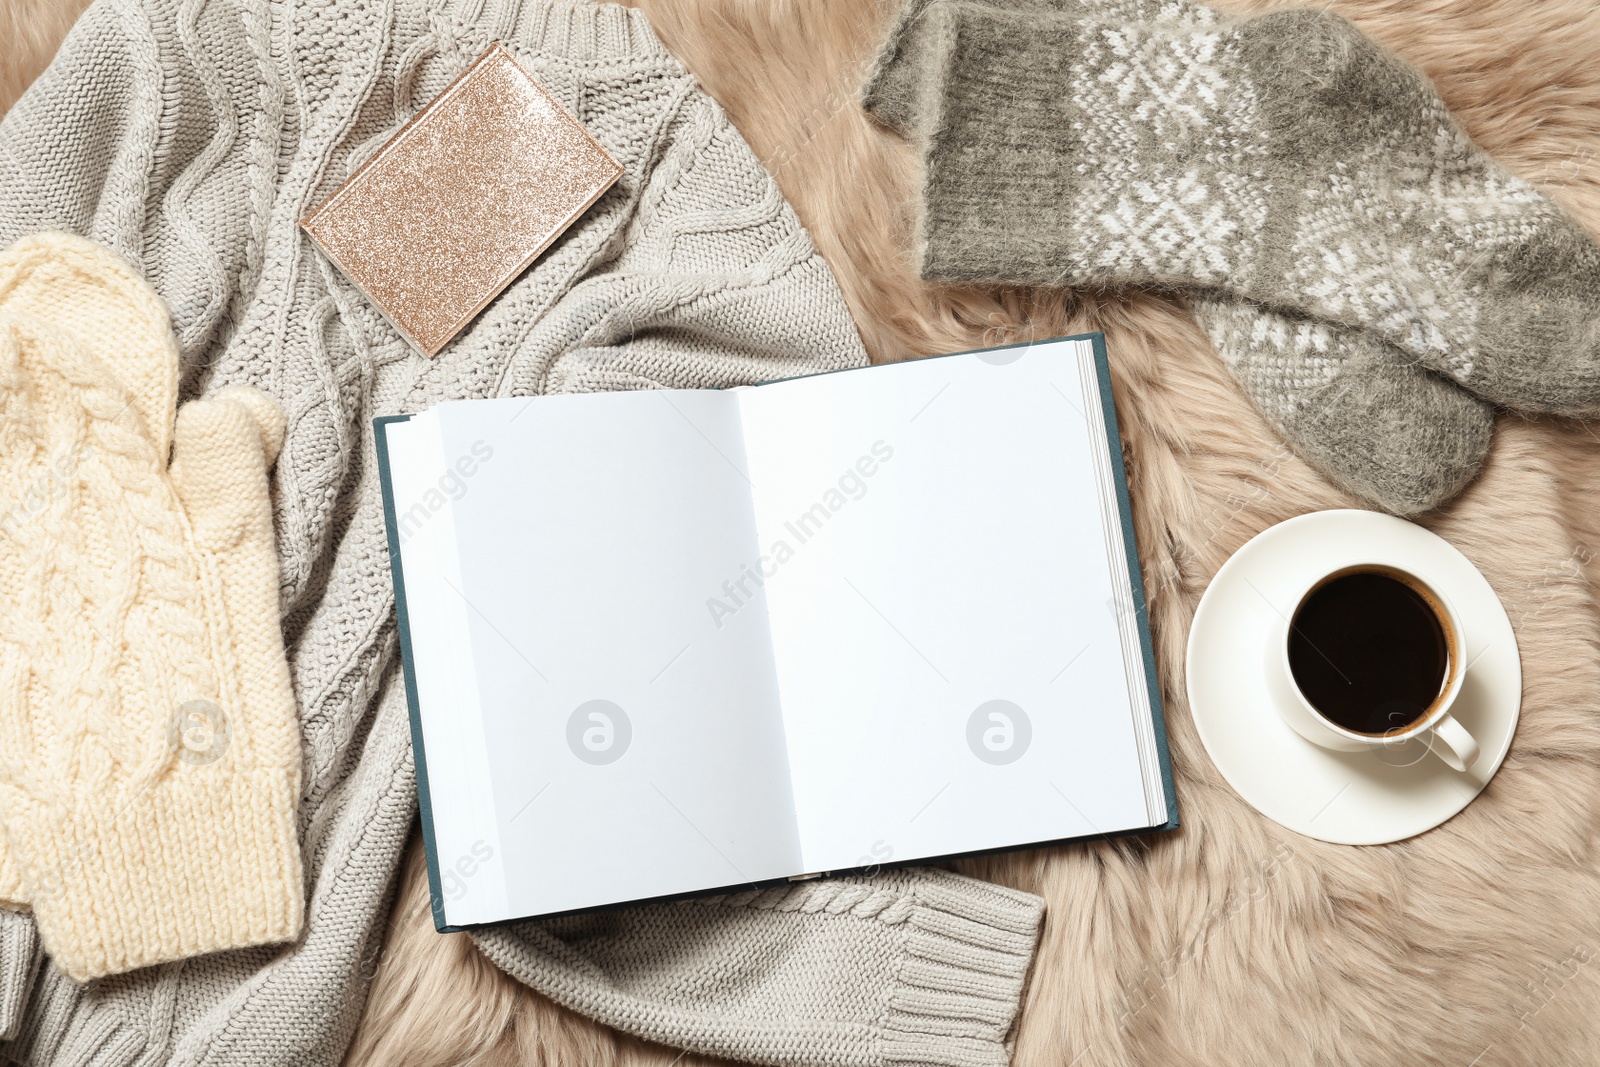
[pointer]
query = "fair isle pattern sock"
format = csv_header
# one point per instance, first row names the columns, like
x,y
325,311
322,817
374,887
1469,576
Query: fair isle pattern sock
x,y
1285,158
1353,406
901,76
1347,401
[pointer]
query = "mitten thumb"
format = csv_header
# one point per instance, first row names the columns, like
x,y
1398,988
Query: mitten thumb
x,y
222,449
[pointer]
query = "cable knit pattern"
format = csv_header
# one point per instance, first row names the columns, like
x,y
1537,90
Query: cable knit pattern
x,y
191,137
149,765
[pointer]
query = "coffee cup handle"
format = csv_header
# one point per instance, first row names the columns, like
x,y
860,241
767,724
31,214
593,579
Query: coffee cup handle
x,y
1456,747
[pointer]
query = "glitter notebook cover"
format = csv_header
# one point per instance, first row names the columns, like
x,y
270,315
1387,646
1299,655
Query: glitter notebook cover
x,y
458,203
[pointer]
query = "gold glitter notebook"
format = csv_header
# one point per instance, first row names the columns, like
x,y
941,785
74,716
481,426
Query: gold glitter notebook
x,y
462,199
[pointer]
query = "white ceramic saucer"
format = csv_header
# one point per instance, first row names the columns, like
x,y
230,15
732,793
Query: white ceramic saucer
x,y
1352,798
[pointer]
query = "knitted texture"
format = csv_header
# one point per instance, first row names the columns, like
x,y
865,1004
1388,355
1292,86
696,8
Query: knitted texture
x,y
1336,229
936,964
19,962
1352,405
190,138
149,761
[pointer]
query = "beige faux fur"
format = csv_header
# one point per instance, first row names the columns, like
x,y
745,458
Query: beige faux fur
x,y
1232,941
30,31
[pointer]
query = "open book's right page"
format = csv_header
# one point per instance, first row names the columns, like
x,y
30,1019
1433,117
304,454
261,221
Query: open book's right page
x,y
958,657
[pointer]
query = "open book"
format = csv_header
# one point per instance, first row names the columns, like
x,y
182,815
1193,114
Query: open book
x,y
668,642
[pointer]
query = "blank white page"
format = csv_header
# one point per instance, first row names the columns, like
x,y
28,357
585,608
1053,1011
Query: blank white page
x,y
934,539
589,534
462,804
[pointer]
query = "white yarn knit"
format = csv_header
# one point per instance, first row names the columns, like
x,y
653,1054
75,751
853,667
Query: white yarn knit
x,y
190,136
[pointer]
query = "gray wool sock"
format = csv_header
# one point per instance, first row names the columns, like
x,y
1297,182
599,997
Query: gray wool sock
x,y
901,76
1285,158
1353,406
1349,403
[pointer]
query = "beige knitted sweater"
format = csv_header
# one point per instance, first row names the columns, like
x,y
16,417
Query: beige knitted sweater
x,y
189,136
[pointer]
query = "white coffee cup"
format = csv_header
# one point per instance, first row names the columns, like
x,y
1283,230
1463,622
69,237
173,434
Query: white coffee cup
x,y
1444,736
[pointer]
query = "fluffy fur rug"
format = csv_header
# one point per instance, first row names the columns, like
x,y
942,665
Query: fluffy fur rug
x,y
1232,941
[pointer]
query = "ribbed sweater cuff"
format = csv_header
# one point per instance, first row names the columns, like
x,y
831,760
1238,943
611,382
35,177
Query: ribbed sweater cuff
x,y
19,961
968,947
177,870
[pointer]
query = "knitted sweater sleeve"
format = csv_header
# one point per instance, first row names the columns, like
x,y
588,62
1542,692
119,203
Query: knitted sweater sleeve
x,y
19,960
919,966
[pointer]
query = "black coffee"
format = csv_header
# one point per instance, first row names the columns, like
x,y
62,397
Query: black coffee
x,y
1370,651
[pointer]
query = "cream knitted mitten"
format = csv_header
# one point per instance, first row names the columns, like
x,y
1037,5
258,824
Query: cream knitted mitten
x,y
149,749
1122,142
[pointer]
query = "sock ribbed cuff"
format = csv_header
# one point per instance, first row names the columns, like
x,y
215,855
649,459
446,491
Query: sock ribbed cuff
x,y
177,870
892,91
896,90
1048,155
999,133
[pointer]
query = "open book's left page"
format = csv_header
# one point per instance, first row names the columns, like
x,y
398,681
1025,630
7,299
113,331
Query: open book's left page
x,y
558,559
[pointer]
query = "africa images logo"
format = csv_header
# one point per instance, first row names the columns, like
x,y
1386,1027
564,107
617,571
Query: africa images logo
x,y
199,731
999,732
598,732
